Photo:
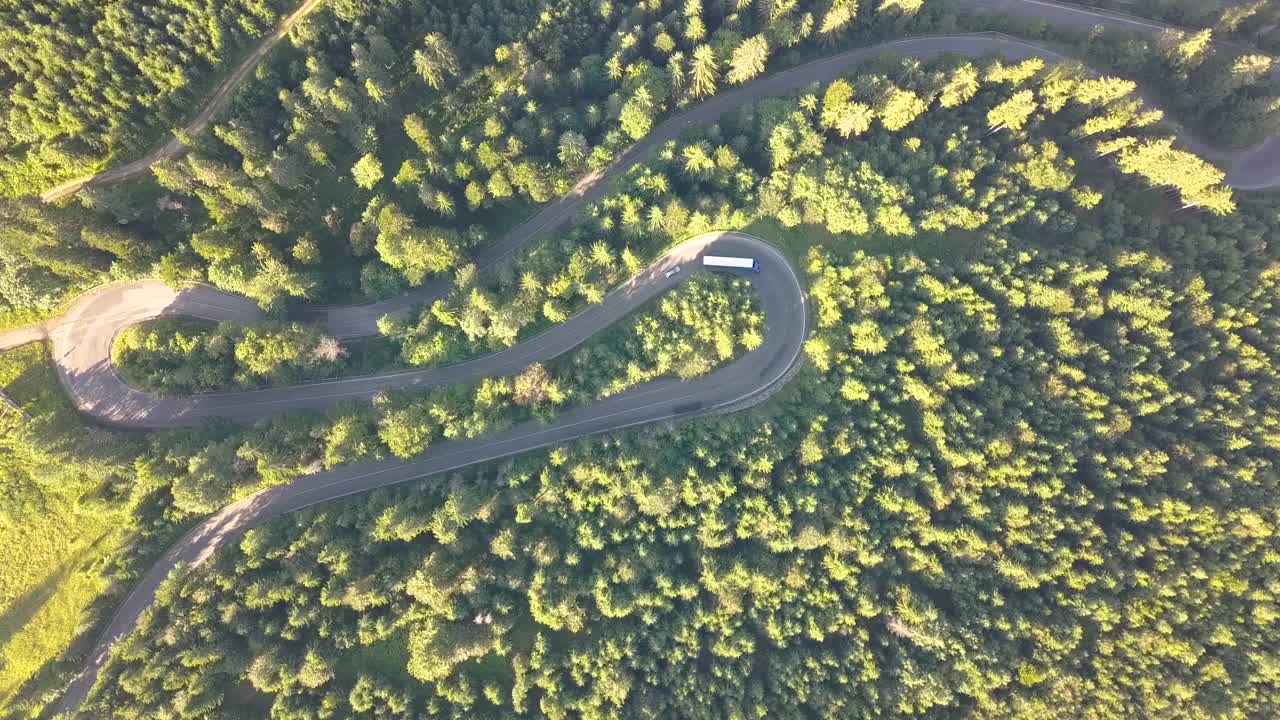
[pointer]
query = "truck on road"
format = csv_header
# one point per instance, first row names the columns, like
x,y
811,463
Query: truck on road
x,y
715,261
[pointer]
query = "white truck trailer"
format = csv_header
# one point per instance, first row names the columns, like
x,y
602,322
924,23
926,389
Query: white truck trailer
x,y
719,261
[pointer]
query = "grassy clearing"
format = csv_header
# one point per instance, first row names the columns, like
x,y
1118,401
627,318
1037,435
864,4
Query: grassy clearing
x,y
56,529
51,579
387,659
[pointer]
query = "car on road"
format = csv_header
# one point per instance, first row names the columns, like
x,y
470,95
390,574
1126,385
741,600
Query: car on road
x,y
672,272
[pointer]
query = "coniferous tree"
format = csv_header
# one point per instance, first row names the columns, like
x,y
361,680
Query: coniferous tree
x,y
705,73
749,59
435,61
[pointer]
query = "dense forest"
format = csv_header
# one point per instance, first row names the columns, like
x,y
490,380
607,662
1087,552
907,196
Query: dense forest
x,y
789,161
355,164
390,139
128,496
1031,475
1252,22
1028,465
87,81
1223,89
177,356
1040,480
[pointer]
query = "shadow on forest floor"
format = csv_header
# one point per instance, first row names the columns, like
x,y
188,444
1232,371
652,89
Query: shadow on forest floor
x,y
950,248
23,610
24,607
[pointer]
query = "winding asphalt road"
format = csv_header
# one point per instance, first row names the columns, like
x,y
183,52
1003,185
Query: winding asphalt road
x,y
81,338
747,380
1251,169
1254,168
81,341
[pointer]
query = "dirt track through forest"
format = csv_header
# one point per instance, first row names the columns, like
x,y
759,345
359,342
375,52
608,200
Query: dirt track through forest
x,y
218,102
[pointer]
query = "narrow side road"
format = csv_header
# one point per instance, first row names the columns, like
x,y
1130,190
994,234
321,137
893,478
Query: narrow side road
x,y
216,103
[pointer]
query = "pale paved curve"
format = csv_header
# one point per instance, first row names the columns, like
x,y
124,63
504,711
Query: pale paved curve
x,y
86,327
748,379
81,343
